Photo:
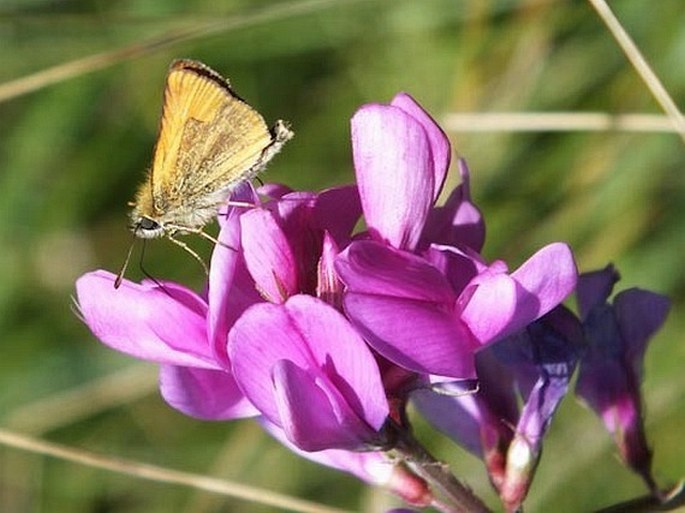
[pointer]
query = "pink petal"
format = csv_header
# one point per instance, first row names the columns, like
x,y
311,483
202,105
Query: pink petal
x,y
274,190
499,304
145,321
231,288
204,394
459,267
320,425
395,173
329,288
492,306
268,255
548,277
374,467
374,268
315,338
418,335
440,145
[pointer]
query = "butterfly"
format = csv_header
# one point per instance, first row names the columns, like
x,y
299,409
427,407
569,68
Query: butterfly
x,y
210,142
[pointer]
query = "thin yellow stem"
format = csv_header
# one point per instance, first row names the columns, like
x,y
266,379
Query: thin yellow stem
x,y
163,475
641,66
555,122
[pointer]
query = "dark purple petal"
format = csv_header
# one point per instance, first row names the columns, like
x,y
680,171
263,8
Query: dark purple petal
x,y
605,380
483,421
268,255
640,314
204,394
525,449
552,346
594,288
317,339
440,144
556,338
145,321
611,370
395,173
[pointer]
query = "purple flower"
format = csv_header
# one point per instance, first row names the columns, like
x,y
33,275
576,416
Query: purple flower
x,y
533,367
611,369
308,372
164,323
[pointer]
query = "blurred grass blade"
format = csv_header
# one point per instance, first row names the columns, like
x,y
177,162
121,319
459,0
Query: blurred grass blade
x,y
75,68
61,409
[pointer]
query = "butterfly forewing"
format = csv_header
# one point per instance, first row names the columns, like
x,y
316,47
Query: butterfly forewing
x,y
209,139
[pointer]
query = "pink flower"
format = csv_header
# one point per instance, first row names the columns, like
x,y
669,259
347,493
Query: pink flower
x,y
418,290
308,372
167,324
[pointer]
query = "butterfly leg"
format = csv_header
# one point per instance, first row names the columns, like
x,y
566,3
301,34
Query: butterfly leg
x,y
214,240
191,251
201,233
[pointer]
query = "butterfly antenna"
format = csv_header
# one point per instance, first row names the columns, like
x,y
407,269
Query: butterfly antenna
x,y
147,274
120,276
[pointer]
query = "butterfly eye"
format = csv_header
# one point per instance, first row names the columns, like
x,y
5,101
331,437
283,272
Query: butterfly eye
x,y
148,224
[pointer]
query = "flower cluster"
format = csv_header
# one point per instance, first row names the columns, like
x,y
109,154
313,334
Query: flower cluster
x,y
324,334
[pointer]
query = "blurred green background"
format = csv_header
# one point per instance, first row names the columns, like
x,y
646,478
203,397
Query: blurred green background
x,y
72,153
